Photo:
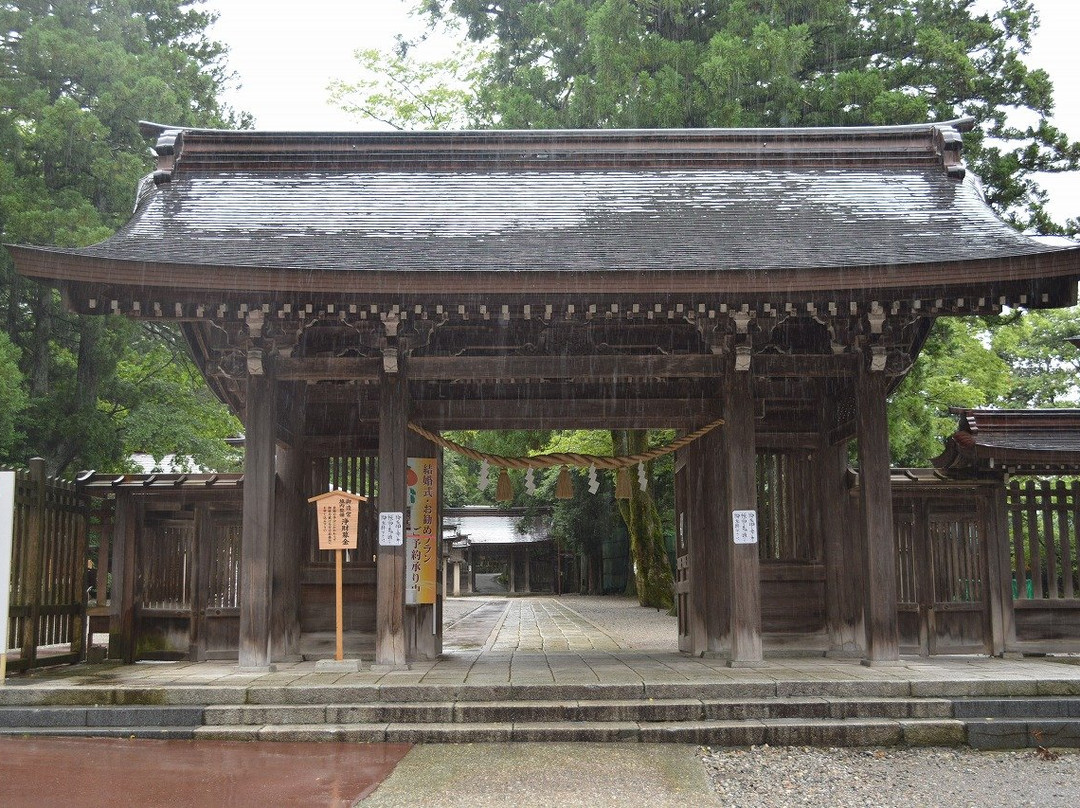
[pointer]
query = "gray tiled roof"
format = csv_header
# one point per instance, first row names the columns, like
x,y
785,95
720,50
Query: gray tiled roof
x,y
745,201
1031,439
730,219
480,525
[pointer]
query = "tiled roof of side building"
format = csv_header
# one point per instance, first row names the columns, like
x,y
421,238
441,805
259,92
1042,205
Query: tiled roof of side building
x,y
1028,439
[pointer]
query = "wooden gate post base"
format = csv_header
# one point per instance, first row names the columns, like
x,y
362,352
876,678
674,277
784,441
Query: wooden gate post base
x,y
844,653
389,668
747,663
338,665
882,663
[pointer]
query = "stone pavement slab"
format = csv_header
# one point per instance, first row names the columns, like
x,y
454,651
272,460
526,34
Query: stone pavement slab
x,y
563,774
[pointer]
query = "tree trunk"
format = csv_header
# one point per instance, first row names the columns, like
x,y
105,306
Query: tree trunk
x,y
87,386
652,570
42,308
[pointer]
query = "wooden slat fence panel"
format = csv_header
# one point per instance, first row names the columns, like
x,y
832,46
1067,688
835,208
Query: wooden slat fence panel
x,y
48,593
783,533
165,566
1044,523
958,562
906,578
224,584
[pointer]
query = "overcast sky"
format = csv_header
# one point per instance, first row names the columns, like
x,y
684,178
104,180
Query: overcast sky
x,y
285,55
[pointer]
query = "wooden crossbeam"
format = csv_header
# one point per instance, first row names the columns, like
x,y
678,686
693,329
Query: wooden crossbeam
x,y
599,367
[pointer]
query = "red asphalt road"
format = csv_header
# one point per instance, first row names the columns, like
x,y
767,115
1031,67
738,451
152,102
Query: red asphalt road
x,y
123,773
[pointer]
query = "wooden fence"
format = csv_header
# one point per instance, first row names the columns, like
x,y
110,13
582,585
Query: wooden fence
x,y
48,571
1043,519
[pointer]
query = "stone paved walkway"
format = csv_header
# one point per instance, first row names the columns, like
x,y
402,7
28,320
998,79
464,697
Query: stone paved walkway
x,y
496,645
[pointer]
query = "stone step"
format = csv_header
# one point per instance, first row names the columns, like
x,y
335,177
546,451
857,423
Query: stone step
x,y
1048,707
159,733
626,710
789,732
1020,733
348,694
100,717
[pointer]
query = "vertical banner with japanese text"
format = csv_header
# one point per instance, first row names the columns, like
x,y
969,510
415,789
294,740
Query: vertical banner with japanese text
x,y
421,537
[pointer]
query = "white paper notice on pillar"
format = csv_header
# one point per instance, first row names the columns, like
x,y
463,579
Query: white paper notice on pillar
x,y
744,527
391,528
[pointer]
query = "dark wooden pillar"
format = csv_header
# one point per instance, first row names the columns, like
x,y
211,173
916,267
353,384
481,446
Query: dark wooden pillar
x,y
879,552
202,554
999,577
290,522
709,619
122,603
256,557
290,529
738,463
843,599
390,640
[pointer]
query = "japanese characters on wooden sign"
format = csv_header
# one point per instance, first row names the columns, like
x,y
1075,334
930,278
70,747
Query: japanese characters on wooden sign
x,y
339,519
744,527
421,545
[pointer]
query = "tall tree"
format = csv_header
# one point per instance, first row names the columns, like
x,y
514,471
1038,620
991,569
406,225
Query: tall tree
x,y
693,63
76,78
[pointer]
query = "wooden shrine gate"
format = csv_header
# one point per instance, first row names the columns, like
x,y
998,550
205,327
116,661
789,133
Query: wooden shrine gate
x,y
335,288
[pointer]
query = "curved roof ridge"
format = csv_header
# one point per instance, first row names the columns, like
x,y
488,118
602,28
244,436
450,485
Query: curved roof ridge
x,y
962,124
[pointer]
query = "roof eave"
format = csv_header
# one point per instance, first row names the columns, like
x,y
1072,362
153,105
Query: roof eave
x,y
71,267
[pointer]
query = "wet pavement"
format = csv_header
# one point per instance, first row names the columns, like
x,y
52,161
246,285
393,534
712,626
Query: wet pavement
x,y
494,648
120,773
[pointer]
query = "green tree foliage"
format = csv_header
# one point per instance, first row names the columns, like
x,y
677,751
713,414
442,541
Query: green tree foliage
x,y
956,368
77,76
13,397
687,63
1045,368
404,92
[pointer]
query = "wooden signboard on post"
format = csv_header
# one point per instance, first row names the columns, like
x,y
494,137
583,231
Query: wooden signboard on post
x,y
339,521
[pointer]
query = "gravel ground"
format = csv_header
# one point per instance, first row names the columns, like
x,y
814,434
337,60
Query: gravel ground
x,y
893,778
